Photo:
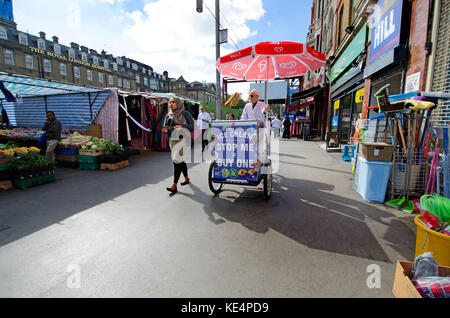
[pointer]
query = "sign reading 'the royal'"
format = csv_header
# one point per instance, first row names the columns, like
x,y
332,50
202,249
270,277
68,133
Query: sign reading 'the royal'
x,y
386,27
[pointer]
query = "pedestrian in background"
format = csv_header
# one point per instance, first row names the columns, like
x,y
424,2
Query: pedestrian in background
x,y
276,126
52,128
230,116
287,128
204,122
177,119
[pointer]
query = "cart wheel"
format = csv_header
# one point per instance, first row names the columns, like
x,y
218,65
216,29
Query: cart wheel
x,y
267,186
214,187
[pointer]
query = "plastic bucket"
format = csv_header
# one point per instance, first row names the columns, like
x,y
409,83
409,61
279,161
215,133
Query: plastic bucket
x,y
428,240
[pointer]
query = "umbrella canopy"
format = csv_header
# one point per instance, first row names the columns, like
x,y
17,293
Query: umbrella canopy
x,y
271,60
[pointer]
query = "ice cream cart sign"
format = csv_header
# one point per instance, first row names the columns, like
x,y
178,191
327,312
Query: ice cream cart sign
x,y
236,149
386,23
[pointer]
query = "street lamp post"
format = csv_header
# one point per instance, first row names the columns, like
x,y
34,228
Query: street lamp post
x,y
218,89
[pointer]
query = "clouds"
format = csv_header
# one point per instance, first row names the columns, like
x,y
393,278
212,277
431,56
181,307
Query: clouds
x,y
165,34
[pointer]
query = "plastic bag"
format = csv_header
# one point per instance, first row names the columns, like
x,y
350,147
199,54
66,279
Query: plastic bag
x,y
433,287
425,266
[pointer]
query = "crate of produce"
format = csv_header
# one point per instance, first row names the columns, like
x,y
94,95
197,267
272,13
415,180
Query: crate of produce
x,y
114,158
66,151
3,167
89,159
89,166
35,181
115,166
5,185
67,158
93,153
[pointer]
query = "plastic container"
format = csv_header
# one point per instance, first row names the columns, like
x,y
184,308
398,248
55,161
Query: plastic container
x,y
66,151
372,179
428,240
89,159
89,166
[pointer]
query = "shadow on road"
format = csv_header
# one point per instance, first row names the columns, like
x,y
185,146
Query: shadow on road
x,y
307,212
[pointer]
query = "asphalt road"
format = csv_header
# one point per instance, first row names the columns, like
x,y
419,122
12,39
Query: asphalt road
x,y
120,234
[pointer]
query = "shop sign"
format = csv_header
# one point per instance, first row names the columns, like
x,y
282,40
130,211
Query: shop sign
x,y
337,104
63,58
386,24
359,96
355,48
412,83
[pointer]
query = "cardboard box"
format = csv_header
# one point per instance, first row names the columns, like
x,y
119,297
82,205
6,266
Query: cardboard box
x,y
95,130
403,287
377,151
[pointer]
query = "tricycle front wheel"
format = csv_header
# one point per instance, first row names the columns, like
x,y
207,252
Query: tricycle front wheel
x,y
214,187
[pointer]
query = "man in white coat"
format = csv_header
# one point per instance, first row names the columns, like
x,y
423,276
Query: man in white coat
x,y
255,110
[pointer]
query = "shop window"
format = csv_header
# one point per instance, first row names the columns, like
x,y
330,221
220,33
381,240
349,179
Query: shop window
x,y
110,80
101,78
63,69
145,81
29,62
119,82
3,33
9,57
23,39
76,72
341,26
115,67
41,44
47,66
89,75
138,79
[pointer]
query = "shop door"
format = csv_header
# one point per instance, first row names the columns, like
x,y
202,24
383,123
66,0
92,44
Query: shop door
x,y
345,118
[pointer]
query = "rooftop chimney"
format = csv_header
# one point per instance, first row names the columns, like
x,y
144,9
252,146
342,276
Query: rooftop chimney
x,y
42,35
55,39
74,45
84,49
93,52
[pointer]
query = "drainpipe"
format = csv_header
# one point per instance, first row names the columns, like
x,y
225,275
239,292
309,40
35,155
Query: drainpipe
x,y
434,40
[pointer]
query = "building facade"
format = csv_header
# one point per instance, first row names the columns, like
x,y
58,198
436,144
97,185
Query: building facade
x,y
373,44
39,57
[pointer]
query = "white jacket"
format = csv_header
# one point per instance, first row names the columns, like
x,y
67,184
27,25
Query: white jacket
x,y
254,114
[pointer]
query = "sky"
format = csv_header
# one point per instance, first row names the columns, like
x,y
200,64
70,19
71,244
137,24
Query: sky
x,y
168,35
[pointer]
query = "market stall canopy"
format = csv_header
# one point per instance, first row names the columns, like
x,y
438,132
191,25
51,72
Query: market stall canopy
x,y
306,93
75,106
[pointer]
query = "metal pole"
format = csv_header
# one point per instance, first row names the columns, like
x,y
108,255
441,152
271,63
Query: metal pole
x,y
218,90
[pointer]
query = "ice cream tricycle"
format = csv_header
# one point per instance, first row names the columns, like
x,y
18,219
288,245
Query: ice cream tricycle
x,y
241,155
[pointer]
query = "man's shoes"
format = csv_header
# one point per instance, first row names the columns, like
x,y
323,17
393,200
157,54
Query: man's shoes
x,y
186,182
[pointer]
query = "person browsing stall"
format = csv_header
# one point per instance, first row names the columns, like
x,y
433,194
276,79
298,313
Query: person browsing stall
x,y
177,119
52,128
255,110
203,122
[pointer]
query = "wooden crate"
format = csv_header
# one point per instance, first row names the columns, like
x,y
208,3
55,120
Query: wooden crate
x,y
93,153
114,166
6,185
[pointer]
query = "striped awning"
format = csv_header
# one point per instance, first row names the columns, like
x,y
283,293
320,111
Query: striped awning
x,y
75,106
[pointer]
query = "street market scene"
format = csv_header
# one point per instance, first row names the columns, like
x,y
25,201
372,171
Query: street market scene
x,y
241,151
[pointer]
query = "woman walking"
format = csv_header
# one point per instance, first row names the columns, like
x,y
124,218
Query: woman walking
x,y
176,120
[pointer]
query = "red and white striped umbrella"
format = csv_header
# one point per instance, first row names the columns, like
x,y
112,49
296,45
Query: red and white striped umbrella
x,y
271,60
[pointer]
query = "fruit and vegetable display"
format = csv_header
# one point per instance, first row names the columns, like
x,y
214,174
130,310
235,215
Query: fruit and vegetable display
x,y
22,132
31,165
12,149
89,143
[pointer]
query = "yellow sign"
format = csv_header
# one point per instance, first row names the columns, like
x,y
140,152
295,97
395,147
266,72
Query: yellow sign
x,y
337,104
62,57
359,96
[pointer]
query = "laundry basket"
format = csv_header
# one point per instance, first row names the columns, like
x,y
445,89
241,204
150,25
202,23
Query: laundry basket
x,y
428,240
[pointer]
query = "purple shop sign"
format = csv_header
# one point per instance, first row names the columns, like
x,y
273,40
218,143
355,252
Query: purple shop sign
x,y
386,25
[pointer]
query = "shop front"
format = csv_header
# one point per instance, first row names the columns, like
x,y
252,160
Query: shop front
x,y
387,60
347,91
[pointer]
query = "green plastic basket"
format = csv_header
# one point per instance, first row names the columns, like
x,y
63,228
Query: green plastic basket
x,y
89,166
26,183
89,159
